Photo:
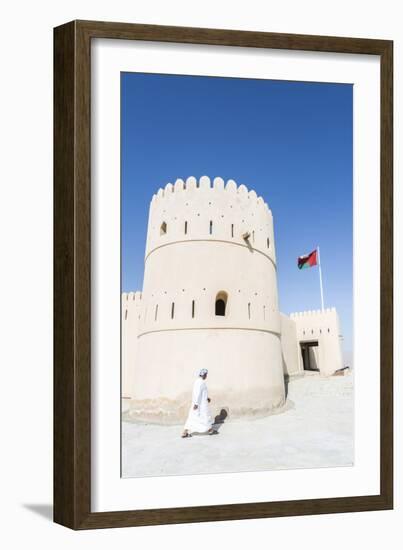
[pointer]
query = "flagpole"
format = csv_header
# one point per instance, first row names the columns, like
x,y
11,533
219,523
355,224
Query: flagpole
x,y
320,278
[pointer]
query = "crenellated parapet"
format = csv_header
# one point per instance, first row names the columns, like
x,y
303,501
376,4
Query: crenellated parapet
x,y
313,312
205,209
191,184
314,324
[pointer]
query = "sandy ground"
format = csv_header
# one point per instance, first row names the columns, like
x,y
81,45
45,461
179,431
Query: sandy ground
x,y
315,431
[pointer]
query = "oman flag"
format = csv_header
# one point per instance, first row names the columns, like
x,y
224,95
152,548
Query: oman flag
x,y
309,260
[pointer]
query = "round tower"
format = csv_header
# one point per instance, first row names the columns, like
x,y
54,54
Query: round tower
x,y
209,300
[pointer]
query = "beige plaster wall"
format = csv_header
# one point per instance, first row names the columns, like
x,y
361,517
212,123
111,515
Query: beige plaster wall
x,y
289,346
324,327
245,372
130,311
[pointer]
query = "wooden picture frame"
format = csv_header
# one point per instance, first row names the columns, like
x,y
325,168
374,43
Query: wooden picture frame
x,y
72,270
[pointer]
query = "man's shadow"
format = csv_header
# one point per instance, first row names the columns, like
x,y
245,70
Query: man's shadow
x,y
220,419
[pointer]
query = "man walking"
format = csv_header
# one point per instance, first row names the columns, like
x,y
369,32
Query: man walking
x,y
199,418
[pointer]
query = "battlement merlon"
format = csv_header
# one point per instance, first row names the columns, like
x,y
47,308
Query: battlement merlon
x,y
205,184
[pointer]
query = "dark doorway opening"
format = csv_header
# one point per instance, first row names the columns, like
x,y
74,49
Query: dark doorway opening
x,y
220,307
309,357
221,303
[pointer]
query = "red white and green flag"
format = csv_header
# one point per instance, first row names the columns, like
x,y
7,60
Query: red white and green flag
x,y
308,260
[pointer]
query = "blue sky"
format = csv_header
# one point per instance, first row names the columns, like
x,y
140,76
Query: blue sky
x,y
289,141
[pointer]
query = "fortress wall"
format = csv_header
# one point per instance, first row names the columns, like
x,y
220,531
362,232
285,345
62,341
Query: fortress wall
x,y
324,327
289,346
244,380
130,312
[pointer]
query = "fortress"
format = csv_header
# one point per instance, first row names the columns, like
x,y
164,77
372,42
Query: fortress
x,y
210,300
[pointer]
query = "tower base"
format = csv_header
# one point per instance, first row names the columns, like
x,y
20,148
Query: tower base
x,y
245,373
